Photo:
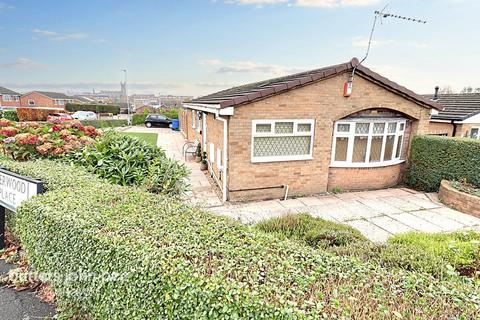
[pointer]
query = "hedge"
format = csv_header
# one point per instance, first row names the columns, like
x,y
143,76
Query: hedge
x,y
433,159
35,114
167,260
97,108
105,123
139,118
9,115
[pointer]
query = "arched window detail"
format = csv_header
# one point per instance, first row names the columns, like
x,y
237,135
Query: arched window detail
x,y
362,142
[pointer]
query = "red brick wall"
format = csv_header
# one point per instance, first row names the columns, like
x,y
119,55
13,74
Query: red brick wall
x,y
40,100
440,128
458,200
14,103
324,102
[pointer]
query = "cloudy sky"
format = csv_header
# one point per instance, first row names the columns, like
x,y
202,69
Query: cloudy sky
x,y
194,47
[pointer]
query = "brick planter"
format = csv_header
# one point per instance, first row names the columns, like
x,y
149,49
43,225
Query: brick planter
x,y
459,200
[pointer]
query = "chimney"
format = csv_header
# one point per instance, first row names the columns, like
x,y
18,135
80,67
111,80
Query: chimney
x,y
435,96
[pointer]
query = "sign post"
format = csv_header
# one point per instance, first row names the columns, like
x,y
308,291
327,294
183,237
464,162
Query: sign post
x,y
14,189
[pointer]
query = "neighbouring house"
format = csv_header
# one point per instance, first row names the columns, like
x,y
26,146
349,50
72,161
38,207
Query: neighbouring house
x,y
300,135
140,100
9,98
143,109
460,116
44,99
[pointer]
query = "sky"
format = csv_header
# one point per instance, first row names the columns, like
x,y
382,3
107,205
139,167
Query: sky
x,y
196,47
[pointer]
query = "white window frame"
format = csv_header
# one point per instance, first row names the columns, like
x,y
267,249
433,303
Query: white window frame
x,y
478,133
351,138
272,133
7,97
31,102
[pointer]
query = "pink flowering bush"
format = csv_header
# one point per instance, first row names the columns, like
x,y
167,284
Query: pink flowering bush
x,y
23,141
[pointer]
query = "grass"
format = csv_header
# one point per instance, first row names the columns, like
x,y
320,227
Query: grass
x,y
148,137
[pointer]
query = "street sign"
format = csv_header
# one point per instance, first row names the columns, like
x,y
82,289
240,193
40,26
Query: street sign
x,y
14,189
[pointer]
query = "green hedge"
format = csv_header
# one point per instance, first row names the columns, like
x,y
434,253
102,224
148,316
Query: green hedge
x,y
9,115
105,123
97,108
121,253
433,159
139,118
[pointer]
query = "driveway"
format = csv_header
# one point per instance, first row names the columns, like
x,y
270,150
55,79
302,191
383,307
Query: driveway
x,y
377,214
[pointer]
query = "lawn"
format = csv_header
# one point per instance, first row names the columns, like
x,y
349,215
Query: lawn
x,y
148,137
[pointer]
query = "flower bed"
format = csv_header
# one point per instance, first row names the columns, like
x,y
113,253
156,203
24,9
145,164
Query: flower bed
x,y
23,141
455,196
121,253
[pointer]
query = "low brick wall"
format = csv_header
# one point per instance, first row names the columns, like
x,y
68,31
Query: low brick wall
x,y
459,200
354,179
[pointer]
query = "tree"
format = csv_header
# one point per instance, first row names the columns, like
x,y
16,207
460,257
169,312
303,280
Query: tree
x,y
446,90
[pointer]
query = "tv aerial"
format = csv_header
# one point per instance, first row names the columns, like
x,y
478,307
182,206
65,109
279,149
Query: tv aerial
x,y
379,16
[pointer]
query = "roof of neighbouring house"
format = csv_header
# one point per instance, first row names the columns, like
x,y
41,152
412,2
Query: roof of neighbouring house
x,y
457,106
8,91
54,95
260,90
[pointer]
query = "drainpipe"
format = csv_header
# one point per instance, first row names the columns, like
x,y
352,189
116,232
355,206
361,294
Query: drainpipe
x,y
225,156
454,133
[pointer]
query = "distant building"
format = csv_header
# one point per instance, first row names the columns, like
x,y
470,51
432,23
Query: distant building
x,y
45,99
141,100
169,101
9,98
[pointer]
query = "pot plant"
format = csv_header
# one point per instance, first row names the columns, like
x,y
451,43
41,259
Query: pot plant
x,y
204,164
198,154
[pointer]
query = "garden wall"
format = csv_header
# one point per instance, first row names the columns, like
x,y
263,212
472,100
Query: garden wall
x,y
459,200
433,159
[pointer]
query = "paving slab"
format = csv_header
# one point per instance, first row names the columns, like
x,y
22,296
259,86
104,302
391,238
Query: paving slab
x,y
439,220
292,204
401,204
380,206
463,218
416,223
422,201
311,201
370,230
391,225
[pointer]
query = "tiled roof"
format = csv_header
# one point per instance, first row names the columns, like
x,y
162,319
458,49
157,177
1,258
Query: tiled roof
x,y
8,91
457,106
260,90
54,95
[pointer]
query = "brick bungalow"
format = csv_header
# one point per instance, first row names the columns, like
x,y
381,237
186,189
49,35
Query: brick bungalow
x,y
299,135
44,99
460,116
9,98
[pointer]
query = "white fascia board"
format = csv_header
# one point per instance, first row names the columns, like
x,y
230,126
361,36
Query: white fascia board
x,y
472,119
442,121
229,111
211,108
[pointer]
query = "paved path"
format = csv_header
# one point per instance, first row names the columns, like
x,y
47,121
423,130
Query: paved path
x,y
377,214
202,192
21,305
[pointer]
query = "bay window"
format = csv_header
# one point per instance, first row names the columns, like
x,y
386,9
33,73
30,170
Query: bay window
x,y
282,140
367,142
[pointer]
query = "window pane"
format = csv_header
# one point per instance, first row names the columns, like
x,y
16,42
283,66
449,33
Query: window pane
x,y
376,149
284,127
281,146
360,149
392,127
402,126
362,128
378,128
264,128
474,133
343,127
304,127
398,153
389,148
341,149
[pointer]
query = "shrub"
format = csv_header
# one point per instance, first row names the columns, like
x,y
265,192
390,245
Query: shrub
x,y
466,187
171,114
23,141
127,161
316,232
433,159
35,114
106,123
144,256
139,118
10,115
459,249
97,108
